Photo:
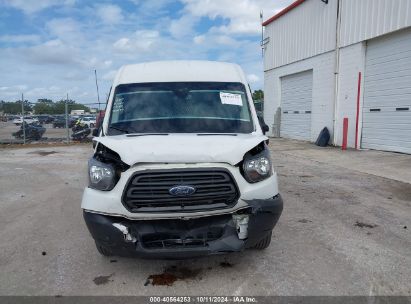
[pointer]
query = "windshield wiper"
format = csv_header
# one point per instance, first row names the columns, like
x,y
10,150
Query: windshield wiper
x,y
217,134
147,134
119,129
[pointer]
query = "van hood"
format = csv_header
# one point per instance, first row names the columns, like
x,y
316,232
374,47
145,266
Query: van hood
x,y
181,148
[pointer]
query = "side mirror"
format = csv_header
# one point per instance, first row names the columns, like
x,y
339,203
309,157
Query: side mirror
x,y
95,132
263,125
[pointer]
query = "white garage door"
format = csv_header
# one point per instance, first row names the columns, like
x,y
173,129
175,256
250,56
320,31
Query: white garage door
x,y
387,96
296,99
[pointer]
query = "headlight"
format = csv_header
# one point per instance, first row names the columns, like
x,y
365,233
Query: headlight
x,y
101,176
258,167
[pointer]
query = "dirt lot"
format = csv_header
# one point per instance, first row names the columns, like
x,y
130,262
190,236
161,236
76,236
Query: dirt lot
x,y
345,230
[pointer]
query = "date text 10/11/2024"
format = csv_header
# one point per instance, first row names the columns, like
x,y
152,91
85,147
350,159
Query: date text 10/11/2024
x,y
203,299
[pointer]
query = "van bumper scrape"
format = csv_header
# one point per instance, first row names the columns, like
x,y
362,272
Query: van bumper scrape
x,y
184,238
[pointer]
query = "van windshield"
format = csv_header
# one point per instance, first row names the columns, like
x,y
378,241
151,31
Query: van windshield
x,y
180,107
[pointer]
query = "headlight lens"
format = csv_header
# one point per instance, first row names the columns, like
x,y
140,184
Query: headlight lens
x,y
101,176
258,167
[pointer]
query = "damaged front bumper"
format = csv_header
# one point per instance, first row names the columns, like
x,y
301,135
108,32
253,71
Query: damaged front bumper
x,y
186,238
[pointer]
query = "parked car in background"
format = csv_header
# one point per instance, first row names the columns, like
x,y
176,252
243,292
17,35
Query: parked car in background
x,y
89,122
45,119
80,131
12,117
72,121
28,119
33,131
59,122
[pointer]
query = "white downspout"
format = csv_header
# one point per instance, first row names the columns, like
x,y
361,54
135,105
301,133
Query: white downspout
x,y
337,69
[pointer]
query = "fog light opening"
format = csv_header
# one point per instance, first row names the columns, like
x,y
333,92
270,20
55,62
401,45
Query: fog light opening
x,y
127,236
241,224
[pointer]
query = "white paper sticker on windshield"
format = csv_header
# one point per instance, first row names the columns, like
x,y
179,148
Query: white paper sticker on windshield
x,y
118,105
231,99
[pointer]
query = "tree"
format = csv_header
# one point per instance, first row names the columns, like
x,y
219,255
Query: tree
x,y
14,107
258,95
258,98
60,106
47,106
45,100
44,106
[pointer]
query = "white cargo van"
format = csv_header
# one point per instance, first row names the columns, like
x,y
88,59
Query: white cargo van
x,y
181,166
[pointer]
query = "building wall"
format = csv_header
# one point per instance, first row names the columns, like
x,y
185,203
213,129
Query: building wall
x,y
305,39
323,91
352,62
365,19
310,29
305,31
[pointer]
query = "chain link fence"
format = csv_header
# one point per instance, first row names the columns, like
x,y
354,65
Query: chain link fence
x,y
28,127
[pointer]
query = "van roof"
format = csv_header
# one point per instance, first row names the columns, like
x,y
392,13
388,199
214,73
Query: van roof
x,y
180,71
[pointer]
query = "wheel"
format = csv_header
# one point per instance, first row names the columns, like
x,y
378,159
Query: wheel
x,y
103,250
264,243
91,125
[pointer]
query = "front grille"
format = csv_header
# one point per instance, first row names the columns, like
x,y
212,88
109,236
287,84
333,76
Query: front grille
x,y
168,240
148,191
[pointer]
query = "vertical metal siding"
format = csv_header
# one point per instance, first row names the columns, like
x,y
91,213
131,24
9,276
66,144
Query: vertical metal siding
x,y
387,97
365,19
296,100
303,32
310,29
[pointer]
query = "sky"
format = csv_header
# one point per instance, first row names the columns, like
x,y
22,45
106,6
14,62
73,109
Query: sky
x,y
50,48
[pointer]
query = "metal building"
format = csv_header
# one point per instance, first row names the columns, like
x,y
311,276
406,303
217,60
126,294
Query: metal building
x,y
327,60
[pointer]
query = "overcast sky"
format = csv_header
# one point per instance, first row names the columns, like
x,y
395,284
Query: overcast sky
x,y
51,47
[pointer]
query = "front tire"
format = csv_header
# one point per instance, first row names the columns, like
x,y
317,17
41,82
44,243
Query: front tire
x,y
264,243
104,251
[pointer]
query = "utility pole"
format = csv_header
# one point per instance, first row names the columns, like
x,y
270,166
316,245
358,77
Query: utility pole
x,y
67,120
262,33
22,119
98,95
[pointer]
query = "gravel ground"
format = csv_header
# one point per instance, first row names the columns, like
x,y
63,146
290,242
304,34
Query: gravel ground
x,y
345,230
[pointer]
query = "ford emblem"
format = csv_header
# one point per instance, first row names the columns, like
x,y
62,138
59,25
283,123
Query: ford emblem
x,y
182,190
